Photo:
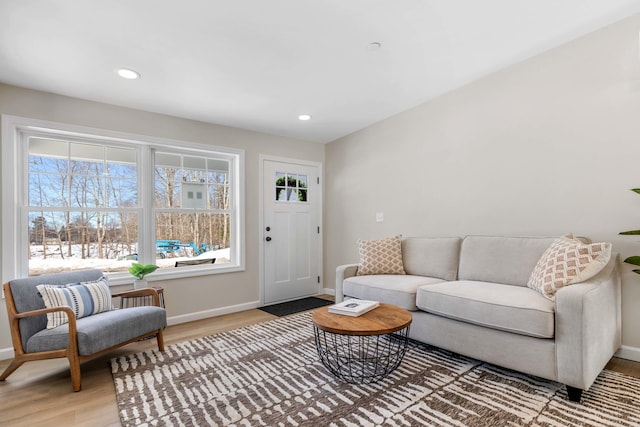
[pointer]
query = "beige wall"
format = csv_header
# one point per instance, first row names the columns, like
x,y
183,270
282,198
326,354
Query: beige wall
x,y
186,295
545,147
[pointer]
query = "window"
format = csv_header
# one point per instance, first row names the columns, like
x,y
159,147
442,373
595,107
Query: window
x,y
91,200
82,205
192,206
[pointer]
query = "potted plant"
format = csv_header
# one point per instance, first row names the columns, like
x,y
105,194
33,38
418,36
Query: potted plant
x,y
139,271
633,260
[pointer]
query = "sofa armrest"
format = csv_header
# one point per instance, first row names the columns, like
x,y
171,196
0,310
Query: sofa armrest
x,y
71,320
40,311
343,272
588,326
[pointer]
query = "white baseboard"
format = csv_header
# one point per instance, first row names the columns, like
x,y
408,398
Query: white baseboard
x,y
199,315
6,353
329,291
629,353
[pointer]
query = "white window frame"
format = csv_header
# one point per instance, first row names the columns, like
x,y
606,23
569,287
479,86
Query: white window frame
x,y
15,173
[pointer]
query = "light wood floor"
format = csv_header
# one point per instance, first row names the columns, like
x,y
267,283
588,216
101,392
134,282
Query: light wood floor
x,y
39,393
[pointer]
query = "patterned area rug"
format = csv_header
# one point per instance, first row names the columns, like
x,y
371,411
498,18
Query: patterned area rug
x,y
269,375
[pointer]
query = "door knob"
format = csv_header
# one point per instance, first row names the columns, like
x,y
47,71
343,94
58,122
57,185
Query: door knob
x,y
268,239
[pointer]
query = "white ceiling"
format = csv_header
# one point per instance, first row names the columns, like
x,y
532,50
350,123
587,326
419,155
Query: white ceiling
x,y
258,64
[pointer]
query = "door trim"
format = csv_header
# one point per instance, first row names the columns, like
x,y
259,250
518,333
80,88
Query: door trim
x,y
264,158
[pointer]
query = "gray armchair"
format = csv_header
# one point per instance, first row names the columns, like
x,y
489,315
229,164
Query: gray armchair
x,y
80,339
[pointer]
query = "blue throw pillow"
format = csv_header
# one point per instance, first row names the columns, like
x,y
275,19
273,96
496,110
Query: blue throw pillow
x,y
85,299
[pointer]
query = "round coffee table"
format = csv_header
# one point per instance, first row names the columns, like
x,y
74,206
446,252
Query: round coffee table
x,y
363,349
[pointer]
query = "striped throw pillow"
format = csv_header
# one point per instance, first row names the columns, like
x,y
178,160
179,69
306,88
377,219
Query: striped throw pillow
x,y
84,298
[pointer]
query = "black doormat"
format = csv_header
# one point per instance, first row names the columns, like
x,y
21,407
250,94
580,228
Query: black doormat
x,y
290,307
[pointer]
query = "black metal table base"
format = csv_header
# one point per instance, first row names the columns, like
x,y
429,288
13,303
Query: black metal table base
x,y
361,359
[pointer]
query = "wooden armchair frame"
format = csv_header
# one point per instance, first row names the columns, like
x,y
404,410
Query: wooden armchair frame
x,y
71,352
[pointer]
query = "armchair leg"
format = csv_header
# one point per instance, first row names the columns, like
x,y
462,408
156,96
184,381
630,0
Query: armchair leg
x,y
575,394
160,339
74,368
15,364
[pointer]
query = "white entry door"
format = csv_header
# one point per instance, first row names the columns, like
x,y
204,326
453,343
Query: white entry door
x,y
291,231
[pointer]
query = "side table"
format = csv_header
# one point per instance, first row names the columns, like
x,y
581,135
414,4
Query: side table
x,y
363,349
139,301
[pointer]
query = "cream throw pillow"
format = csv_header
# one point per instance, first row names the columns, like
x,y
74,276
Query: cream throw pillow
x,y
382,256
568,261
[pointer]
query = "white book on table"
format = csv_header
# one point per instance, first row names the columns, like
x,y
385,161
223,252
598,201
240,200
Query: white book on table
x,y
353,307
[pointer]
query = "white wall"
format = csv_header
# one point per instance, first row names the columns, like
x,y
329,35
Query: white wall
x,y
185,298
545,147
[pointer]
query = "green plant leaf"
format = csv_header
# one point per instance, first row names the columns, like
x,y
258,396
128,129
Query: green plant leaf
x,y
635,260
636,271
630,233
139,271
636,190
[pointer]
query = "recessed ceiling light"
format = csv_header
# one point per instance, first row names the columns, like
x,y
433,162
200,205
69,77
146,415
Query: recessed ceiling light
x,y
374,46
304,117
127,73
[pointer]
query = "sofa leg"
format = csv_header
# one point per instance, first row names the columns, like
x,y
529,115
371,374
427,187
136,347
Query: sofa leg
x,y
575,394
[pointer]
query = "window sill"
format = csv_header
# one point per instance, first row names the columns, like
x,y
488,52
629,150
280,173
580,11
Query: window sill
x,y
119,279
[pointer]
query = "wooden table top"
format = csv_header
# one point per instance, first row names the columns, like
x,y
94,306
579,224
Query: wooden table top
x,y
383,319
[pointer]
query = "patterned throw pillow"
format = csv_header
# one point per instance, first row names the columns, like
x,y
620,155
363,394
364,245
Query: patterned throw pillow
x,y
380,256
84,298
568,261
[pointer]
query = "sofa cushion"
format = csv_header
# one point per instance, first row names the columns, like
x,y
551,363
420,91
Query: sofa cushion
x,y
382,256
393,289
509,308
432,257
568,261
84,298
496,259
101,331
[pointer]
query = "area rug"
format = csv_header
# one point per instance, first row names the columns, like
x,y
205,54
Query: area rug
x,y
296,306
268,374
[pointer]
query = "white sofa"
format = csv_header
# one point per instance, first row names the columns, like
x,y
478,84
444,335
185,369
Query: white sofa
x,y
470,296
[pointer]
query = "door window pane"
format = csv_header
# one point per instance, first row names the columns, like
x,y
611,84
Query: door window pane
x,y
291,187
